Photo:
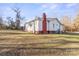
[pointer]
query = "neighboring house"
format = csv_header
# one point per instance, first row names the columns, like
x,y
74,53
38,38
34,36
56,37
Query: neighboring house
x,y
44,25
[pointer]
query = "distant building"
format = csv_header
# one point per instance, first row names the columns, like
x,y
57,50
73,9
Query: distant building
x,y
44,25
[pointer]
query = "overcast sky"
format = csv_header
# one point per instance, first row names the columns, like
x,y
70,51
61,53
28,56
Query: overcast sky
x,y
30,10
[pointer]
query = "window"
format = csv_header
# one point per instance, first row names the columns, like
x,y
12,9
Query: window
x,y
56,24
30,25
53,25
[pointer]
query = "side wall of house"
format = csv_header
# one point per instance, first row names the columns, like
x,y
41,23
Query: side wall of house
x,y
40,25
61,28
53,25
36,23
36,26
29,27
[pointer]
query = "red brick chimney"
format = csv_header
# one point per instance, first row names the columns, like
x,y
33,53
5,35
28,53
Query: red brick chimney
x,y
44,24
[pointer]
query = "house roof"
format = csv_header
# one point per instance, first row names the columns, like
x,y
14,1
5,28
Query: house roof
x,y
39,18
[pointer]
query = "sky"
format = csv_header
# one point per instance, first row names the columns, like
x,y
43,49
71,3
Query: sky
x,y
30,10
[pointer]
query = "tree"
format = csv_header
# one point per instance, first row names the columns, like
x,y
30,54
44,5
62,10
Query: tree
x,y
11,23
66,21
1,22
18,17
76,23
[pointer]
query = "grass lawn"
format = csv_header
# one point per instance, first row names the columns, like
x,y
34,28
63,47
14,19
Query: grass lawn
x,y
13,42
9,38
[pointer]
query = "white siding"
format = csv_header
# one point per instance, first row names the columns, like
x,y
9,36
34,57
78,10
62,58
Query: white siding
x,y
40,25
33,27
36,25
53,25
29,27
61,27
47,26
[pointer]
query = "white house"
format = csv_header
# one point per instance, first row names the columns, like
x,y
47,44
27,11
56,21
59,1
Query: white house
x,y
44,25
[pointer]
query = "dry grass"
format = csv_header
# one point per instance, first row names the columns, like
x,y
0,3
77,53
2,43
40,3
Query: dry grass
x,y
38,40
9,38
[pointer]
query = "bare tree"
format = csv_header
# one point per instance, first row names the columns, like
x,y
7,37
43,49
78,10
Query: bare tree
x,y
18,17
11,23
1,22
66,21
76,23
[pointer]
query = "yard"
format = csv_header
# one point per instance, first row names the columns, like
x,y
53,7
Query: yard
x,y
23,43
